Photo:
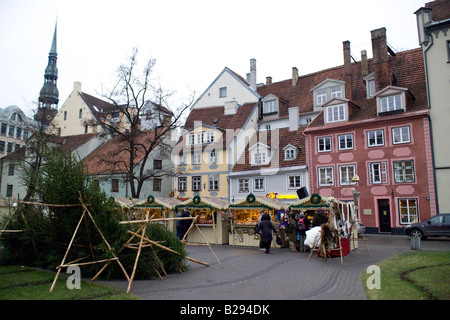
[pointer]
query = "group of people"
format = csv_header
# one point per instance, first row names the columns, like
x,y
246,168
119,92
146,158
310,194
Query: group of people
x,y
299,224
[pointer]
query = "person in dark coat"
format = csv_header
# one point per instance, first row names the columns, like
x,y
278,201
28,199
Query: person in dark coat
x,y
185,224
266,227
178,224
319,219
302,233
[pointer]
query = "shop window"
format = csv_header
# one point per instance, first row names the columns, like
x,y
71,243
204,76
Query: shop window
x,y
408,211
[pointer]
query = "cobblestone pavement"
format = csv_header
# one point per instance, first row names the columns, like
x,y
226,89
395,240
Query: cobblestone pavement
x,y
248,273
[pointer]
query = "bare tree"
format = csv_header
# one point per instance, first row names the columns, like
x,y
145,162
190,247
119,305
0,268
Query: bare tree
x,y
141,121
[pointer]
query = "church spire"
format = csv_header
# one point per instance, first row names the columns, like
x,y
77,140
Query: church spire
x,y
49,94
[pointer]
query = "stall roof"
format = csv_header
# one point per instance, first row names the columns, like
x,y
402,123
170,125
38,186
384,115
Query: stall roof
x,y
167,202
126,202
314,201
264,201
215,202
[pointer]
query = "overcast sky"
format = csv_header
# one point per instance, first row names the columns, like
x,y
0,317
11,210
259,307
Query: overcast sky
x,y
192,41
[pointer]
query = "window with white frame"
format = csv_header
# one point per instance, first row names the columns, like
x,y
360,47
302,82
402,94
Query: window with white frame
x,y
371,88
196,158
335,113
213,182
408,211
391,103
401,135
200,138
210,137
213,157
324,144
243,185
404,171
336,92
289,154
321,97
196,183
294,181
270,106
378,173
182,160
223,92
346,174
182,184
191,139
259,184
345,141
375,138
260,157
325,176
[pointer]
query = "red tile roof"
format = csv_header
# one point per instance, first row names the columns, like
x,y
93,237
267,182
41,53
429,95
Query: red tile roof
x,y
113,156
441,9
277,140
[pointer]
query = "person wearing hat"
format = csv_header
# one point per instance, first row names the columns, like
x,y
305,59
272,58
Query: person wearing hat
x,y
266,227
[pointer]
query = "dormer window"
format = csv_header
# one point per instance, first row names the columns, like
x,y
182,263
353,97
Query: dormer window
x,y
259,154
391,103
370,85
210,137
335,113
328,90
290,152
270,105
391,100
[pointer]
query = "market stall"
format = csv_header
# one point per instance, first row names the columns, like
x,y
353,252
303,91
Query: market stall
x,y
211,223
158,207
339,235
243,217
125,207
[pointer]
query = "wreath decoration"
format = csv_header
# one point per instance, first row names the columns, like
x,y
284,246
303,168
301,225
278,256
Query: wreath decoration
x,y
150,199
315,198
251,198
196,200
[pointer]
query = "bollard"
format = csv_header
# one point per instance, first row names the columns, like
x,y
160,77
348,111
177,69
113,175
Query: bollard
x,y
415,243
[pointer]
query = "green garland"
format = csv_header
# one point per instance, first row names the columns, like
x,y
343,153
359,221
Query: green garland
x,y
315,198
196,200
150,199
251,198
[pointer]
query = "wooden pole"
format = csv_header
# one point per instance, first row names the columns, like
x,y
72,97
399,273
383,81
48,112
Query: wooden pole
x,y
137,256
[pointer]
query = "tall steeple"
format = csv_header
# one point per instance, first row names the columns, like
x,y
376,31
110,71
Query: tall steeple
x,y
49,94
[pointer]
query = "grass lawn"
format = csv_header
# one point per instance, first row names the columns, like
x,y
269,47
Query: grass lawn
x,y
24,283
418,275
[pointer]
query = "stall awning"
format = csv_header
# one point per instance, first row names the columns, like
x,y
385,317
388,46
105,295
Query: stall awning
x,y
313,202
158,202
126,202
204,202
252,201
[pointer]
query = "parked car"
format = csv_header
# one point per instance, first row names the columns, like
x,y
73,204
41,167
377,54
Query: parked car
x,y
437,226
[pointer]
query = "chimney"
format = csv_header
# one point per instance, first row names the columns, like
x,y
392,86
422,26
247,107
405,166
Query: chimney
x,y
294,76
251,77
294,120
364,64
380,58
77,86
268,80
348,70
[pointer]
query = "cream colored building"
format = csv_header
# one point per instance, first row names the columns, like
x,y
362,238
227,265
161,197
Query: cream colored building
x,y
217,130
433,23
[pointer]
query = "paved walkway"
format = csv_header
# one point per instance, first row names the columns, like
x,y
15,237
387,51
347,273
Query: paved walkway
x,y
248,273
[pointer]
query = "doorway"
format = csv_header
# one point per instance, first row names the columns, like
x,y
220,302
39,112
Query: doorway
x,y
384,215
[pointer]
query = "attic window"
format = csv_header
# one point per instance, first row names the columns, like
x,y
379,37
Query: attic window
x,y
391,100
223,92
328,90
290,152
391,103
335,113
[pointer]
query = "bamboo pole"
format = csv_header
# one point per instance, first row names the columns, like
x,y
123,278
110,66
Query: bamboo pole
x,y
137,256
67,251
209,246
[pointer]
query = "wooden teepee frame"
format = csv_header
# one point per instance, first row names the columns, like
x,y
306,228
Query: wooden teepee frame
x,y
86,214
